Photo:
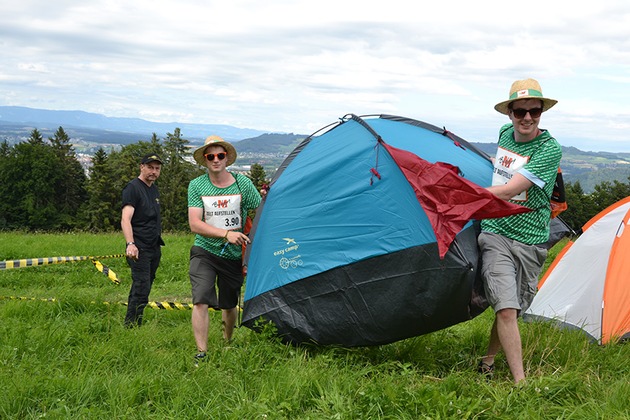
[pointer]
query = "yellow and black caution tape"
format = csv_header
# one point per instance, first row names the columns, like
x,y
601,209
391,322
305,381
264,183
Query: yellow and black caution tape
x,y
102,257
106,270
27,298
33,262
174,306
171,306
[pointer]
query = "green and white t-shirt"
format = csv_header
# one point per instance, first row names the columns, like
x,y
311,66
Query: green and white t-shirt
x,y
538,161
225,208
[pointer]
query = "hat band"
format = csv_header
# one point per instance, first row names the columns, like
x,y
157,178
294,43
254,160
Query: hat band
x,y
526,93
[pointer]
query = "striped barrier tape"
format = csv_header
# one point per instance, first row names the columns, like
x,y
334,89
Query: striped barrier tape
x,y
105,270
171,306
27,298
174,306
34,262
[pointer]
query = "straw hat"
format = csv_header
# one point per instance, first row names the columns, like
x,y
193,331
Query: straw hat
x,y
215,141
525,89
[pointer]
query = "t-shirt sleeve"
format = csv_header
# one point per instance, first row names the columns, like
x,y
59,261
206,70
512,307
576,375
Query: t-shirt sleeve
x,y
254,196
194,197
129,196
251,195
545,162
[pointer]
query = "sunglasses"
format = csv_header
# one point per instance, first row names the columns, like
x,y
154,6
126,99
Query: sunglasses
x,y
520,112
220,156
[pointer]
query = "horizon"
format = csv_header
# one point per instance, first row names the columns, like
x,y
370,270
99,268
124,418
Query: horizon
x,y
176,124
295,67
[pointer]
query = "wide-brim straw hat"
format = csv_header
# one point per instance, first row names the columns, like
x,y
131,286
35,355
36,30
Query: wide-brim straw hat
x,y
525,89
215,141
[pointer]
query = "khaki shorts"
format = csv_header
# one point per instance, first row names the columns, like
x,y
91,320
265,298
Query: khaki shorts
x,y
510,271
208,273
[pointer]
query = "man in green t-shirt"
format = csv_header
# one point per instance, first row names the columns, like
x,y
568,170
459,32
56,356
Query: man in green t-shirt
x,y
218,202
512,248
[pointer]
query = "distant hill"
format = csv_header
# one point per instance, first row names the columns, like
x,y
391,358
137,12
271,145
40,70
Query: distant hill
x,y
90,131
270,143
16,132
20,121
589,168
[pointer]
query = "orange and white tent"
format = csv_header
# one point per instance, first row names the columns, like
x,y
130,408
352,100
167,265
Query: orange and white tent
x,y
588,284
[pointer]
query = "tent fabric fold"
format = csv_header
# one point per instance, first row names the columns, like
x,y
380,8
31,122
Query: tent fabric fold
x,y
449,200
345,253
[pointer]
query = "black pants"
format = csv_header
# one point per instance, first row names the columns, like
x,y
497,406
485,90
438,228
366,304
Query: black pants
x,y
142,276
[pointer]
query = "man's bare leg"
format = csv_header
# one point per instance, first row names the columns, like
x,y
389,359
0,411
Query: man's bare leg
x,y
200,322
510,339
494,345
229,322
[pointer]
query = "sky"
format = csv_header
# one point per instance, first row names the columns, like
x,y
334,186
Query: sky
x,y
297,66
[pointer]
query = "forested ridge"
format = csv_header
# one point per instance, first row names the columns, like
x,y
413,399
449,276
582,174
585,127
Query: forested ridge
x,y
44,186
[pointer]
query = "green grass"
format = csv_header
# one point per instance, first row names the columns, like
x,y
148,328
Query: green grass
x,y
73,358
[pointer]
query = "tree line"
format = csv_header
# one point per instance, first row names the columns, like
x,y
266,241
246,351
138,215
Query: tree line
x,y
44,187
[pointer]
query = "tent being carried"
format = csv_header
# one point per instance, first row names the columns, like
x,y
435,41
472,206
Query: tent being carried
x,y
588,284
365,236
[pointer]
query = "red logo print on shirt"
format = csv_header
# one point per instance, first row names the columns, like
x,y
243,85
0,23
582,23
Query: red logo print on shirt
x,y
506,162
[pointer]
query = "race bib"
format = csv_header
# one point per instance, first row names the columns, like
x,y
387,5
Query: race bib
x,y
506,164
223,211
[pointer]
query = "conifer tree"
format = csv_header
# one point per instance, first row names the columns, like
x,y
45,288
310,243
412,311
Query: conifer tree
x,y
33,172
70,189
258,176
177,171
103,209
5,183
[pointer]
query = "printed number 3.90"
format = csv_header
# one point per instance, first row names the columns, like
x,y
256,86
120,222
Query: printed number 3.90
x,y
234,221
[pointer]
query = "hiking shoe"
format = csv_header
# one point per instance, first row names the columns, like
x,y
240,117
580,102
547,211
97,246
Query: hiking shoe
x,y
200,357
485,369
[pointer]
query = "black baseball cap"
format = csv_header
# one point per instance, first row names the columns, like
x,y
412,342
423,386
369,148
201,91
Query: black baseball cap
x,y
152,157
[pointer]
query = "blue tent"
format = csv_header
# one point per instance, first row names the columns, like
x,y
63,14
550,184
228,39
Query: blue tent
x,y
347,250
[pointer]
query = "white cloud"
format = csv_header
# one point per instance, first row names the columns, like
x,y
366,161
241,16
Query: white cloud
x,y
299,65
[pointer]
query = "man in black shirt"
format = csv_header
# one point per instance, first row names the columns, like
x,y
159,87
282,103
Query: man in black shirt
x,y
142,228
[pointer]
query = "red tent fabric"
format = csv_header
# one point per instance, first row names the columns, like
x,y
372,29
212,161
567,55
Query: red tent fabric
x,y
449,200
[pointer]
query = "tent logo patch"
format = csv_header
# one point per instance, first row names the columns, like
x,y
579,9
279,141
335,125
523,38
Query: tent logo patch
x,y
288,260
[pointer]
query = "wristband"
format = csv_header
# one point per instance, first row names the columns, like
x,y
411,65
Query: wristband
x,y
225,238
130,243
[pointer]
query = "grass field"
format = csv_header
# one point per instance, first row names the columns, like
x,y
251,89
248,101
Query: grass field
x,y
64,353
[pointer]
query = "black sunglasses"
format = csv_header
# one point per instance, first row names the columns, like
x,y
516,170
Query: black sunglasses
x,y
210,156
520,112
